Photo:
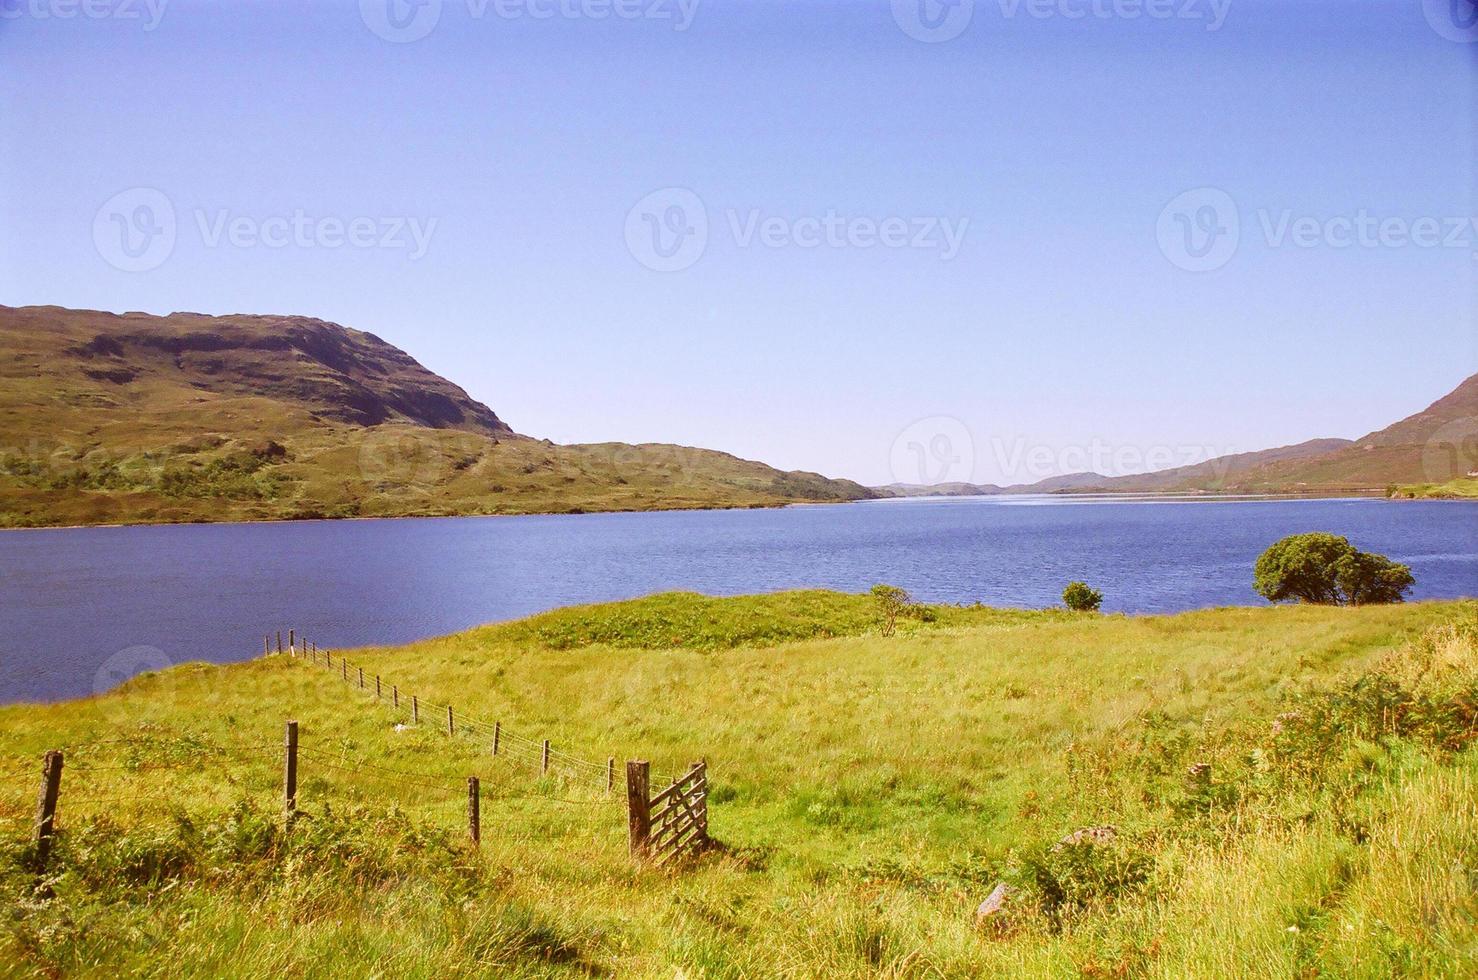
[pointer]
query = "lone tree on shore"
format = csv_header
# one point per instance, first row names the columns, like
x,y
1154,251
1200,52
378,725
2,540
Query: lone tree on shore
x,y
1325,569
1080,598
892,603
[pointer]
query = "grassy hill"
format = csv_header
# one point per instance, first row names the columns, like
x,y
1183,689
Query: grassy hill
x,y
1436,446
135,418
869,791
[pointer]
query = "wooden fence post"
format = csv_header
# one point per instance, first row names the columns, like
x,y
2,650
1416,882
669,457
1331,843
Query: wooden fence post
x,y
343,668
497,735
610,774
544,759
638,807
290,770
292,643
51,786
451,726
266,644
474,830
361,678
702,787
415,710
395,694
279,641
377,687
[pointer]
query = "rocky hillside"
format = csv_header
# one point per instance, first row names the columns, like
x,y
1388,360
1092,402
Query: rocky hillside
x,y
139,418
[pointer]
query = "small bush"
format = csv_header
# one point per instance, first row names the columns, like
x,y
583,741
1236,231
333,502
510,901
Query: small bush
x,y
1079,597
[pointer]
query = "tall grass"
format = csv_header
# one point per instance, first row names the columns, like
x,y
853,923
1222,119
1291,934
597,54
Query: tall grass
x,y
869,791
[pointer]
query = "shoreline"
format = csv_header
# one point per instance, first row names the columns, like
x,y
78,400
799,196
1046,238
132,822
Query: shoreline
x,y
1084,497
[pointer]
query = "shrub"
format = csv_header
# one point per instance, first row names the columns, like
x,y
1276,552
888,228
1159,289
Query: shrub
x,y
892,602
1080,598
1325,569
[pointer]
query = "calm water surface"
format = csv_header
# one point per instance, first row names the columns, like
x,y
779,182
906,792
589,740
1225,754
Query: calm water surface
x,y
82,609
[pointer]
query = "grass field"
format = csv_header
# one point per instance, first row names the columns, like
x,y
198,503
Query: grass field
x,y
1462,489
868,792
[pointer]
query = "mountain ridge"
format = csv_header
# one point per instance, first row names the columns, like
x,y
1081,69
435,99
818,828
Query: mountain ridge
x,y
1436,445
140,418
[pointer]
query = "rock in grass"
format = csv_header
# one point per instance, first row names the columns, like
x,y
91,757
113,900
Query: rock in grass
x,y
1091,835
992,905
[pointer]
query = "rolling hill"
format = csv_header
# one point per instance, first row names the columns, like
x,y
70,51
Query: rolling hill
x,y
1437,448
134,418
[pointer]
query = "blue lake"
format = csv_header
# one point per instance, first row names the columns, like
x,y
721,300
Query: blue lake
x,y
82,609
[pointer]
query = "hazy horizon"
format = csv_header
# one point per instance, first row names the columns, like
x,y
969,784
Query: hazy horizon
x,y
822,235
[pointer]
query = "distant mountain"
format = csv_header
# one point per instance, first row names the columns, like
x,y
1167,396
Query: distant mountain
x,y
937,490
1436,445
138,418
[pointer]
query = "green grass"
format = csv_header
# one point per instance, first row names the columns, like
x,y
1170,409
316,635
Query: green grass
x,y
1459,489
868,792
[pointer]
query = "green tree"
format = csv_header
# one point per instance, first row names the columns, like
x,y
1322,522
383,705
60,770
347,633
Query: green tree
x,y
1080,598
1325,569
892,602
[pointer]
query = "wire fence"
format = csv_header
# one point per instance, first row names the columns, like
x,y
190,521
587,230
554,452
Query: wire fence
x,y
513,746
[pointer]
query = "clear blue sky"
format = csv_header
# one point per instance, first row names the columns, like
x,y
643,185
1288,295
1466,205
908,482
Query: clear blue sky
x,y
1060,322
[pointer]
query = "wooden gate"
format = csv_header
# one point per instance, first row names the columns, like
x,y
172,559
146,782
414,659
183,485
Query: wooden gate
x,y
671,822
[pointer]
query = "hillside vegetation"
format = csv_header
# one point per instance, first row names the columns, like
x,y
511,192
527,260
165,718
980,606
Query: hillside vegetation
x,y
1291,790
143,419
